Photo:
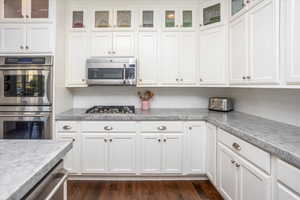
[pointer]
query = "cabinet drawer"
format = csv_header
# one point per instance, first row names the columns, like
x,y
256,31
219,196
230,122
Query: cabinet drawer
x,y
288,175
67,126
252,153
109,126
161,127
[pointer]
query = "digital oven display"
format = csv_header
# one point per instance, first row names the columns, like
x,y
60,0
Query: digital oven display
x,y
33,60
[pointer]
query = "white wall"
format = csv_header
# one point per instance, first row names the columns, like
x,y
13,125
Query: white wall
x,y
164,97
276,104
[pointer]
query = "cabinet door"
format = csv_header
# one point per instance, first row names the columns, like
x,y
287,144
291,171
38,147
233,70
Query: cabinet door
x,y
148,59
284,193
264,43
187,58
94,153
211,14
123,44
39,38
238,50
102,19
253,184
170,19
237,7
187,20
147,20
211,153
102,44
169,62
124,19
227,173
292,41
213,56
78,19
122,153
13,38
172,153
13,10
196,139
38,10
72,159
151,151
78,52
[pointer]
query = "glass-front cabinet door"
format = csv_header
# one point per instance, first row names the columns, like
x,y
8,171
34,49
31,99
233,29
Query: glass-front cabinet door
x,y
78,19
13,9
236,6
170,19
187,19
123,19
211,14
102,19
147,20
38,9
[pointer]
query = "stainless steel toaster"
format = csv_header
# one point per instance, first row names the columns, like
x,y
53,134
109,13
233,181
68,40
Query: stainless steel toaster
x,y
222,104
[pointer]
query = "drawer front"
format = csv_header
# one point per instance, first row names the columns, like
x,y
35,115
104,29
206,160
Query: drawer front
x,y
108,126
288,175
67,126
150,127
250,152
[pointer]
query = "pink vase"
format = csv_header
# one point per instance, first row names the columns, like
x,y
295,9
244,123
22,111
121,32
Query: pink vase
x,y
145,105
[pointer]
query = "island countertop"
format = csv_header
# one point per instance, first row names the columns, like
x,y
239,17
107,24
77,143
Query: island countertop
x,y
25,162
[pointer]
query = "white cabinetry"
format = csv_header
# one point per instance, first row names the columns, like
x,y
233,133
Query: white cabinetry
x,y
254,45
172,153
148,58
212,14
112,44
26,38
182,19
287,181
77,54
291,30
196,147
211,153
178,59
213,68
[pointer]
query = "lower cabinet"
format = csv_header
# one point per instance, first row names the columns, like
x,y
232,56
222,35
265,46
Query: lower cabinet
x,y
239,179
102,153
172,153
211,153
284,193
72,159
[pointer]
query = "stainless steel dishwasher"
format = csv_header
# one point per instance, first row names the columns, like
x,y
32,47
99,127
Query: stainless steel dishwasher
x,y
51,187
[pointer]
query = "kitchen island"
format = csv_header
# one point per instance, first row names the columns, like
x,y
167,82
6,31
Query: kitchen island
x,y
24,163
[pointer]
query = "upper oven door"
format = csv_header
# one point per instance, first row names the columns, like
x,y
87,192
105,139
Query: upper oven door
x,y
25,87
106,74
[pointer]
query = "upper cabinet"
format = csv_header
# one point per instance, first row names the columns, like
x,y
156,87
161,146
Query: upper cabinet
x,y
291,29
212,14
26,10
148,20
239,7
78,19
179,19
112,19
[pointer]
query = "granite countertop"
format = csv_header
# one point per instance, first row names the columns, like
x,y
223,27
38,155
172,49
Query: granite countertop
x,y
25,162
279,139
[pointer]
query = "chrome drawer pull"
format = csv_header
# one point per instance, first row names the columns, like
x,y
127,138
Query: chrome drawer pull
x,y
108,128
162,128
67,127
236,146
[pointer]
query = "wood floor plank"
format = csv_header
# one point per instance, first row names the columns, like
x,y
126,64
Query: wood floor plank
x,y
142,190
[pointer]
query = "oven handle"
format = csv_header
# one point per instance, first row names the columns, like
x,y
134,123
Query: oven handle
x,y
24,115
42,68
56,188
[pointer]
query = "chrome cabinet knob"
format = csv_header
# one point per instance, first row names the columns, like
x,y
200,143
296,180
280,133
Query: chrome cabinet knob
x,y
110,140
108,128
67,127
232,161
21,47
201,79
162,128
181,79
177,79
236,146
165,140
190,128
248,77
83,80
105,140
237,165
27,47
159,140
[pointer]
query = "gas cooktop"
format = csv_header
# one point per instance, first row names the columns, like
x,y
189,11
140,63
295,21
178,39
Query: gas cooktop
x,y
111,110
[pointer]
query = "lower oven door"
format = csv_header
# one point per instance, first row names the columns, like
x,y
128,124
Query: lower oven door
x,y
51,187
25,125
25,87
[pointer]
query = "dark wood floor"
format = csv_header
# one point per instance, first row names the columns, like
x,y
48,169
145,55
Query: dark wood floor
x,y
146,190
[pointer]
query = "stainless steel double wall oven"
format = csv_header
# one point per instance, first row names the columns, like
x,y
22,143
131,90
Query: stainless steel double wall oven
x,y
26,97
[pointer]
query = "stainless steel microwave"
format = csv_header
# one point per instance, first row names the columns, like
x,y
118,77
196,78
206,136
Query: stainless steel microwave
x,y
112,71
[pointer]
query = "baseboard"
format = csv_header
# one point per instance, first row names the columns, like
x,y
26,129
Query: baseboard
x,y
131,177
